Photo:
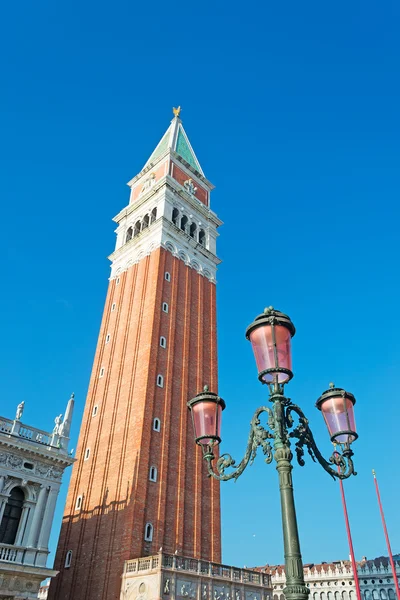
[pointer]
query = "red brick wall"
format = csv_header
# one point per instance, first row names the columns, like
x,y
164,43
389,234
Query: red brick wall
x,y
180,176
118,498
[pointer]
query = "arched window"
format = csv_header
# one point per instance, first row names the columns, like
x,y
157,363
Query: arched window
x,y
367,595
337,596
330,595
157,424
323,595
160,381
163,342
137,228
383,595
153,474
129,234
352,595
68,559
175,216
148,532
165,307
375,595
12,516
202,237
345,595
153,215
184,222
167,276
193,228
315,596
391,594
145,222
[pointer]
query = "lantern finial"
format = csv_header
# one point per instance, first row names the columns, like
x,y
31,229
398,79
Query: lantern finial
x,y
331,385
206,388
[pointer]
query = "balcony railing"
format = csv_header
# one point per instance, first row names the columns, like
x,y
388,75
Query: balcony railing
x,y
200,567
23,431
18,554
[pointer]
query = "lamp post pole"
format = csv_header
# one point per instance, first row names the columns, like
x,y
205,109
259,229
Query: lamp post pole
x,y
270,335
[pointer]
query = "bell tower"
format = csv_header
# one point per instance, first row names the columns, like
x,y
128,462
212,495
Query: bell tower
x,y
139,483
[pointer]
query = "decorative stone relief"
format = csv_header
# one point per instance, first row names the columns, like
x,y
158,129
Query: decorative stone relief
x,y
253,596
167,586
186,589
149,182
14,461
221,592
190,187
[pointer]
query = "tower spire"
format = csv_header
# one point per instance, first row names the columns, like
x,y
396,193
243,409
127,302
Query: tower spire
x,y
176,140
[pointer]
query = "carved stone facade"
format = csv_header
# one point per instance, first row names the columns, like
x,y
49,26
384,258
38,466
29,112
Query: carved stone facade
x,y
335,581
173,577
32,462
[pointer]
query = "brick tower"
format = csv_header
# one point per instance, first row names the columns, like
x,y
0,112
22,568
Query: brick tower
x,y
139,482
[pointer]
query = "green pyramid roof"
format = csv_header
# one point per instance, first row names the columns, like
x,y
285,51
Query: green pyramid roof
x,y
176,139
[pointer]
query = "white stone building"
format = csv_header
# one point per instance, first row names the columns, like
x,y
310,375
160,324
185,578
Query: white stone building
x,y
335,581
32,463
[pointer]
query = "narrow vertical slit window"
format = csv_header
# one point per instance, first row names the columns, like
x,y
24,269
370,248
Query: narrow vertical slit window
x,y
113,307
101,372
107,338
148,532
94,412
153,474
78,504
163,342
160,381
157,424
87,454
68,559
167,276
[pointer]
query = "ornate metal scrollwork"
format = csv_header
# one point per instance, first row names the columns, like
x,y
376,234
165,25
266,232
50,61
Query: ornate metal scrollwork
x,y
280,421
304,436
258,436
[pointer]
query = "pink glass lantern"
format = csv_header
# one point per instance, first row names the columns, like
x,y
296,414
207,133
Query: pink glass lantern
x,y
206,409
337,407
270,335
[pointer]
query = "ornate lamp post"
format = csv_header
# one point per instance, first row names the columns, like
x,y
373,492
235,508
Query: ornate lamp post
x,y
270,335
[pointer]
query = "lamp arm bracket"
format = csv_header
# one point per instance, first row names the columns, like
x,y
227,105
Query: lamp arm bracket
x,y
302,432
258,436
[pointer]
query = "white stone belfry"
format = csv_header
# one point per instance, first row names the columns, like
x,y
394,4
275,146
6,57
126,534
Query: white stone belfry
x,y
32,462
169,207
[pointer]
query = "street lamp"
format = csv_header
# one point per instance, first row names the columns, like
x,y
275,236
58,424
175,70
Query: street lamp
x,y
270,335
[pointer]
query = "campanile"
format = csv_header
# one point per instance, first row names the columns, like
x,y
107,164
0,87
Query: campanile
x,y
139,483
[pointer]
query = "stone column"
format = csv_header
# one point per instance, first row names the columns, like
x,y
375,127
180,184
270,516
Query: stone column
x,y
48,518
33,533
27,507
3,502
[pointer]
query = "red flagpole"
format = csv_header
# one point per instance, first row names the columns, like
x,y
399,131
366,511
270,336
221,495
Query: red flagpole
x,y
396,582
353,560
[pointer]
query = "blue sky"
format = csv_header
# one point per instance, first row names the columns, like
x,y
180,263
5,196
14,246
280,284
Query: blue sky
x,y
293,111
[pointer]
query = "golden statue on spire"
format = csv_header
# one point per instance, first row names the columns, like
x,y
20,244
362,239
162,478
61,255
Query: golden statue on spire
x,y
176,111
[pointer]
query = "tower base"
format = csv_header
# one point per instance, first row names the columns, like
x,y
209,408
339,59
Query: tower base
x,y
173,577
